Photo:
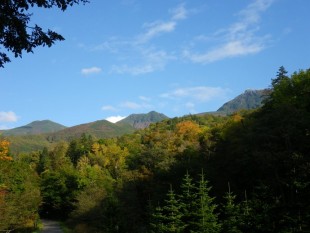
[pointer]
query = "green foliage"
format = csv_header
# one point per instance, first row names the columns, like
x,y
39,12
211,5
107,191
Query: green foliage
x,y
79,147
157,221
232,214
188,196
59,190
281,75
207,220
270,148
105,185
59,182
173,214
33,142
169,217
193,212
87,206
28,144
19,195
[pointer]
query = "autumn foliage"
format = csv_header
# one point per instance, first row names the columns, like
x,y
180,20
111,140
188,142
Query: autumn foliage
x,y
4,150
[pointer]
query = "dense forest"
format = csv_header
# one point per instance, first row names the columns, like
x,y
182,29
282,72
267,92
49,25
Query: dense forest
x,y
246,172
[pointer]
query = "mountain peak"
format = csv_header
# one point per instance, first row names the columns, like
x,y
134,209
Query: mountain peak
x,y
249,99
35,127
143,120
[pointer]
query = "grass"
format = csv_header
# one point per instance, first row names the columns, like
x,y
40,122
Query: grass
x,y
65,228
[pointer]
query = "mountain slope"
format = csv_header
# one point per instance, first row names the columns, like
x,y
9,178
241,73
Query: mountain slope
x,y
36,127
141,121
98,129
250,99
27,138
48,131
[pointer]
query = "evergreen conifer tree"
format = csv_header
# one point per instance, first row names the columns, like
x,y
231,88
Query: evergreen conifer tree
x,y
188,198
172,214
281,74
206,218
231,214
157,221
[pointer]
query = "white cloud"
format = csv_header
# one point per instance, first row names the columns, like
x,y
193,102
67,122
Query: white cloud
x,y
113,45
151,60
155,29
144,98
251,12
135,56
200,93
115,119
239,39
179,12
131,105
230,49
8,116
108,108
159,27
134,105
133,70
91,70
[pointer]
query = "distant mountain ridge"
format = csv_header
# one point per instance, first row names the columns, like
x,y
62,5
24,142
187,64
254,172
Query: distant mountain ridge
x,y
38,134
141,121
35,127
27,138
106,129
250,99
98,129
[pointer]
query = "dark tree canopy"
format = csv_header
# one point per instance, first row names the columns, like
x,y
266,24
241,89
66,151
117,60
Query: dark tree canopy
x,y
16,33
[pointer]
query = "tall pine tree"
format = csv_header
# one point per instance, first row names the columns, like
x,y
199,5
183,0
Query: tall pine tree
x,y
173,214
231,214
188,198
157,221
206,218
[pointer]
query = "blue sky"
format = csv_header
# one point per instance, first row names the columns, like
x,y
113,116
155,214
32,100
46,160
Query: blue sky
x,y
134,56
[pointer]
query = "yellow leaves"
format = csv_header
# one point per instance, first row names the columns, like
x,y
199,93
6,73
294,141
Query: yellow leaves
x,y
109,155
237,117
115,155
4,147
95,148
83,163
188,129
4,150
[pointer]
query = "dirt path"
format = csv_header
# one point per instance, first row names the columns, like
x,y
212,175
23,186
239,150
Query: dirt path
x,y
50,226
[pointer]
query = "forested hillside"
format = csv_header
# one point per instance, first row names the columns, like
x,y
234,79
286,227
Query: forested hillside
x,y
246,172
36,127
40,134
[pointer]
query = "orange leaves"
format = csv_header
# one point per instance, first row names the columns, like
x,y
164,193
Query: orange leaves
x,y
4,150
237,117
190,130
4,147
